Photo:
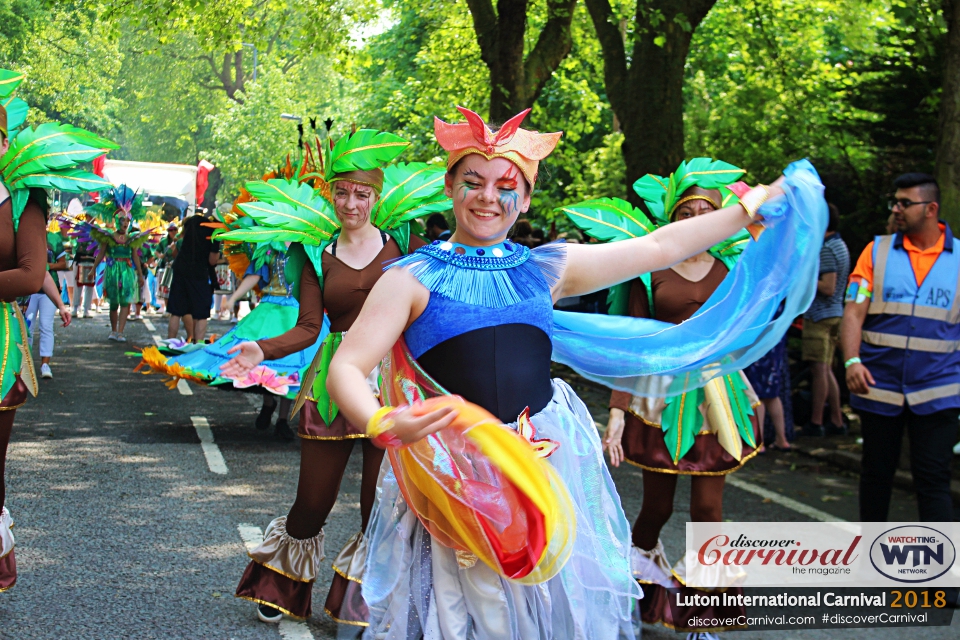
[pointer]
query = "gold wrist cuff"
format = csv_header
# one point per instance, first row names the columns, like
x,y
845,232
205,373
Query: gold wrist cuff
x,y
379,422
752,200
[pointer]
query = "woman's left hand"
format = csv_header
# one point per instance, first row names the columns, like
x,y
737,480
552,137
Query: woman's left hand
x,y
65,316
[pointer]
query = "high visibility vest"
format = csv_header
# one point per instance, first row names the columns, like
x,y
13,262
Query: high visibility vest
x,y
911,334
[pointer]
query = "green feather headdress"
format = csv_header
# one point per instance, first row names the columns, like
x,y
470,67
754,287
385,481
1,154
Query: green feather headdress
x,y
364,150
120,199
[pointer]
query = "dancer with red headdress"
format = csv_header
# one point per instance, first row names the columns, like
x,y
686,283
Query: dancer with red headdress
x,y
474,316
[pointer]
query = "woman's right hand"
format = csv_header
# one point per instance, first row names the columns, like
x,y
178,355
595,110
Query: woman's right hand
x,y
249,355
408,426
226,305
612,438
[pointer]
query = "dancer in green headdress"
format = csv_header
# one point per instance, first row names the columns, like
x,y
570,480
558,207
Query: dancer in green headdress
x,y
31,160
707,432
341,246
119,244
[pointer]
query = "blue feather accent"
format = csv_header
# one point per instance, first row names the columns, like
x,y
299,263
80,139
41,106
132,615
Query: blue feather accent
x,y
487,281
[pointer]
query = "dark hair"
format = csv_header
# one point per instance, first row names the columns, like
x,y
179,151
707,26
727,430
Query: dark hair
x,y
522,229
437,220
930,187
834,222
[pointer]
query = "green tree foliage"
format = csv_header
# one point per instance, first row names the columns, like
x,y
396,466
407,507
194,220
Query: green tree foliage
x,y
854,85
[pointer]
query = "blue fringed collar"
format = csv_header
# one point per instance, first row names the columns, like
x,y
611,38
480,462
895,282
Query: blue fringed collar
x,y
505,255
486,280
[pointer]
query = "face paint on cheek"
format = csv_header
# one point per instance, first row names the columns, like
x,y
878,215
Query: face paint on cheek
x,y
509,198
463,189
509,202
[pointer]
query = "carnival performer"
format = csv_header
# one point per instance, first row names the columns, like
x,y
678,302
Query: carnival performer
x,y
31,160
263,265
167,252
191,290
347,243
475,317
118,247
705,433
85,273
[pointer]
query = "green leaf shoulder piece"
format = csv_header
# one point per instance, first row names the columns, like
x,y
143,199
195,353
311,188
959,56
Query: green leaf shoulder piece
x,y
288,212
609,219
409,191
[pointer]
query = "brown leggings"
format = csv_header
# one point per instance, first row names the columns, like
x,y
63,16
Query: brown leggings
x,y
706,504
322,464
6,426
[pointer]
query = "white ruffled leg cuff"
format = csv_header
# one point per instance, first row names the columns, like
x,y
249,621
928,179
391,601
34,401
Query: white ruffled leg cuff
x,y
291,557
6,532
651,567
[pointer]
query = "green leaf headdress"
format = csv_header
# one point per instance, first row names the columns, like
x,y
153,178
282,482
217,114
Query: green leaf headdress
x,y
663,195
613,219
14,112
360,156
47,156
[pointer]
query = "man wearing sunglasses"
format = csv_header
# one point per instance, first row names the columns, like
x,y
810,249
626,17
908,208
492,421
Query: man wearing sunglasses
x,y
899,336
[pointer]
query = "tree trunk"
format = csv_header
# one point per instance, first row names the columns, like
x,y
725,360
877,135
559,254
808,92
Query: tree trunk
x,y
647,97
515,81
651,114
948,148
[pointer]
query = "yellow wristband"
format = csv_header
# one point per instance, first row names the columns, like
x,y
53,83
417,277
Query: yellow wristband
x,y
379,422
752,200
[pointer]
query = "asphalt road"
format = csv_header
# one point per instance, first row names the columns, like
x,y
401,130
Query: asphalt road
x,y
123,530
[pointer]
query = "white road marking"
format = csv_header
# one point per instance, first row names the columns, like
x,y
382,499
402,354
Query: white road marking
x,y
251,535
149,325
184,388
157,339
212,452
294,630
290,629
784,501
254,400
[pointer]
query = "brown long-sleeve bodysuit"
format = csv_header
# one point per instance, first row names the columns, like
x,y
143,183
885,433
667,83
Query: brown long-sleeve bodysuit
x,y
675,300
325,448
23,262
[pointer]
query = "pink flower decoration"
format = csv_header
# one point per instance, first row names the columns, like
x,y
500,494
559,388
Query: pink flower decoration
x,y
267,378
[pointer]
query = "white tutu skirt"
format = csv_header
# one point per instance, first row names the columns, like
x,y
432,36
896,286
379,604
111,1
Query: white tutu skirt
x,y
417,588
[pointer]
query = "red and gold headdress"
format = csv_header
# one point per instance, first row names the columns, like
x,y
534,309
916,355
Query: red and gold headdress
x,y
523,148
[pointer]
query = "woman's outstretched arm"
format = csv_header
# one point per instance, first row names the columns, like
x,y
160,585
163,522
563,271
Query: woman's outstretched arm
x,y
597,266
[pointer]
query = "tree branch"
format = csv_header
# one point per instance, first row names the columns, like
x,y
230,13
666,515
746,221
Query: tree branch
x,y
614,54
485,27
553,45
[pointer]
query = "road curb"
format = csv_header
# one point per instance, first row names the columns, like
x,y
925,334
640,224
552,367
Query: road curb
x,y
851,462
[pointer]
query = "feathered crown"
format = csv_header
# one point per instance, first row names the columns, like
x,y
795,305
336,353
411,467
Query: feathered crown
x,y
522,147
663,195
120,199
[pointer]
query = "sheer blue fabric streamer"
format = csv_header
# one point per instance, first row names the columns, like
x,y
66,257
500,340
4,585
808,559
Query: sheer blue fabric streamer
x,y
737,325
